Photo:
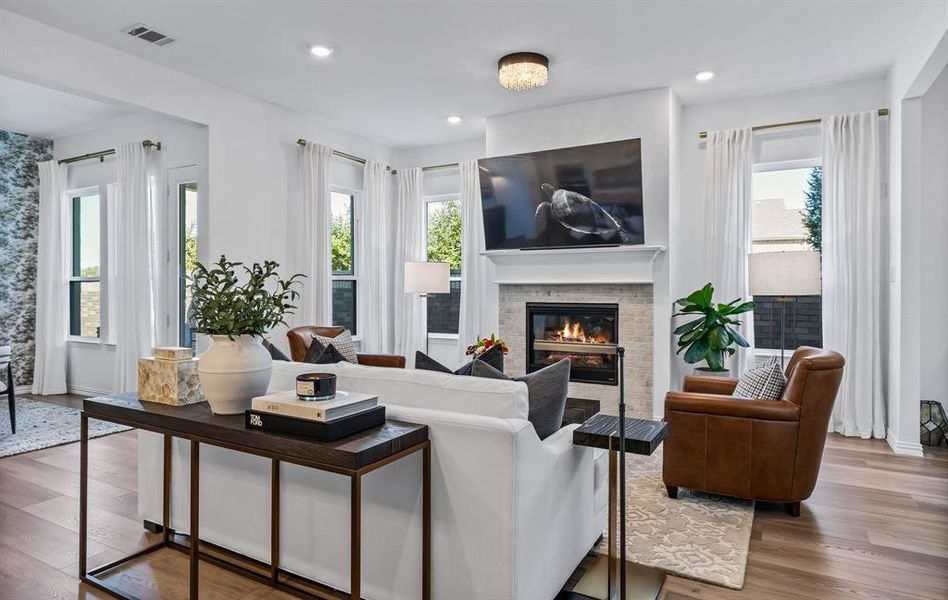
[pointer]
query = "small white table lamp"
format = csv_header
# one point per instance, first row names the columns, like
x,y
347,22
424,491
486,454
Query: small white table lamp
x,y
784,275
425,278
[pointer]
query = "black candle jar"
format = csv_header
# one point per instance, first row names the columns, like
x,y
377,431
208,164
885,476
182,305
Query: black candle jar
x,y
316,386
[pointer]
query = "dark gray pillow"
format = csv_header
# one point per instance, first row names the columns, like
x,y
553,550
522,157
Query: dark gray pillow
x,y
275,353
546,388
318,354
494,357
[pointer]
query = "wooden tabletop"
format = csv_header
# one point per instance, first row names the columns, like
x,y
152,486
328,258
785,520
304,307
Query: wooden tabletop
x,y
642,436
196,420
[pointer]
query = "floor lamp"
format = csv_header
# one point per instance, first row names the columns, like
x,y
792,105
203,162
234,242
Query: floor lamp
x,y
425,278
784,276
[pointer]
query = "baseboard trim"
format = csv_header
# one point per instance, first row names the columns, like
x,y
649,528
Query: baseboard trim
x,y
22,389
903,448
83,391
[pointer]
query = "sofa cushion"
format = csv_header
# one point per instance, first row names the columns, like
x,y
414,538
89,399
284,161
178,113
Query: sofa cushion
x,y
418,389
494,357
547,390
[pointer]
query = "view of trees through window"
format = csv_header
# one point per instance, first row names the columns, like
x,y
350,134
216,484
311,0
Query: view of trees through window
x,y
787,216
84,281
443,235
342,229
188,255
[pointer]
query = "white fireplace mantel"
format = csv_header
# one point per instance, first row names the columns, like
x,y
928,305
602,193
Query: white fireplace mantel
x,y
615,264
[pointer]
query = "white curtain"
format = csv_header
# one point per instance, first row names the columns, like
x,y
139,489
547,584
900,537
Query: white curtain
x,y
478,290
310,250
728,172
49,362
375,289
852,269
134,300
411,327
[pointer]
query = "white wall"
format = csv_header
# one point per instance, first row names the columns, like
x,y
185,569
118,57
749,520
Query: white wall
x,y
934,242
650,115
923,57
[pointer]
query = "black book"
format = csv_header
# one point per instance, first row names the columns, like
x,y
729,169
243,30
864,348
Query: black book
x,y
323,431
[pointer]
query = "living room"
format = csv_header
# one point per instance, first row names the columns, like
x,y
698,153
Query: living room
x,y
499,236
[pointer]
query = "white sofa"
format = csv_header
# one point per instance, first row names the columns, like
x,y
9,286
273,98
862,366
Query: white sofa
x,y
512,515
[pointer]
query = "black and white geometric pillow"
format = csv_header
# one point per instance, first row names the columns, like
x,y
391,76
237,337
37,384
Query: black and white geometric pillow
x,y
342,342
765,381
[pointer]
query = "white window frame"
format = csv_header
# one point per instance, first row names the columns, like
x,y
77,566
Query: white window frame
x,y
767,167
103,278
433,198
356,196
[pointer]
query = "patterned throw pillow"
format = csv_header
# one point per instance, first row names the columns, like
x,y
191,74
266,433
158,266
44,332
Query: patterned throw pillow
x,y
546,391
494,357
765,381
342,342
318,354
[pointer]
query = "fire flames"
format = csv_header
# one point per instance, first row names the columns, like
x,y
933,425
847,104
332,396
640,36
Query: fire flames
x,y
572,331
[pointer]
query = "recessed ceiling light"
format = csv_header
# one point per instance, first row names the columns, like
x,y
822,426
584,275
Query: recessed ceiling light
x,y
320,51
704,75
454,119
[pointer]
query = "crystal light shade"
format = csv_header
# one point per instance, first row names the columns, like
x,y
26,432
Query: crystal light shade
x,y
523,71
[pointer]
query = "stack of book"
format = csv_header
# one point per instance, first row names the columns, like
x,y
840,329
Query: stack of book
x,y
327,420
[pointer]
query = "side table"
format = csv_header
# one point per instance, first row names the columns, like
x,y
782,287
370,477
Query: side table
x,y
602,579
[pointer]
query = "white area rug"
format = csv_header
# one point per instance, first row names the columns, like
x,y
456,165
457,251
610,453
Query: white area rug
x,y
698,536
43,425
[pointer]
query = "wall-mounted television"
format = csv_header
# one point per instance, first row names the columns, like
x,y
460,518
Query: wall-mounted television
x,y
581,196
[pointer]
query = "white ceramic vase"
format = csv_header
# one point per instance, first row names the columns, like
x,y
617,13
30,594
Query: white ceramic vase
x,y
233,371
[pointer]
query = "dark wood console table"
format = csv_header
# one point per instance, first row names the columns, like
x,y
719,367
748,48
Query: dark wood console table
x,y
353,456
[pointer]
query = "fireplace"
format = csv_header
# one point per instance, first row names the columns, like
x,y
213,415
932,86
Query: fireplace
x,y
585,333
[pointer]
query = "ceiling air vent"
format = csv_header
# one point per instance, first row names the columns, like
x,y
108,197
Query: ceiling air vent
x,y
144,32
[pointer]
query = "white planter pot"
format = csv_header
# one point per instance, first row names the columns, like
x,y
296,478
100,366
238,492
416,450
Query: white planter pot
x,y
707,371
233,371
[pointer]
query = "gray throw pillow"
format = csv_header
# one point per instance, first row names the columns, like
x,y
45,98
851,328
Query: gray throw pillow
x,y
547,390
765,381
318,354
275,353
494,357
342,342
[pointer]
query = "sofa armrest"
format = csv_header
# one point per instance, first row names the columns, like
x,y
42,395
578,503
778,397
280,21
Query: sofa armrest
x,y
396,361
713,404
709,384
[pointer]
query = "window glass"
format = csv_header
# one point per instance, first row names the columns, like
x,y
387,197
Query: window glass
x,y
187,255
787,217
344,285
85,298
443,235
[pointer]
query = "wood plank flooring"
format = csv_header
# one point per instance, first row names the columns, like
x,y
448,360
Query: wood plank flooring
x,y
876,527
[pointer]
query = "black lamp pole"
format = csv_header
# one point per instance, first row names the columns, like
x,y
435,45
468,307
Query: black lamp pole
x,y
621,352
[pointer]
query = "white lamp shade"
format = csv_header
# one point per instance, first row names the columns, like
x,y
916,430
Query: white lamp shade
x,y
784,274
427,278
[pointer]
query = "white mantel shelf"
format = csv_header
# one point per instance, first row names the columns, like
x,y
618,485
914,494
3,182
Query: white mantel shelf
x,y
615,264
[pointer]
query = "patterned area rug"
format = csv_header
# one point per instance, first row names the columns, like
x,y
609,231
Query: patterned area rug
x,y
44,424
699,536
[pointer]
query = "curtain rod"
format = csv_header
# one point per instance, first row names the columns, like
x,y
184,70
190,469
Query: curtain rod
x,y
103,153
883,112
435,167
346,155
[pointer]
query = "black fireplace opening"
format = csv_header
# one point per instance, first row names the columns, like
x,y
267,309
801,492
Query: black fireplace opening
x,y
587,334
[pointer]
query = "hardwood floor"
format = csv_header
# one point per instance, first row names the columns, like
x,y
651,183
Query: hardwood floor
x,y
876,527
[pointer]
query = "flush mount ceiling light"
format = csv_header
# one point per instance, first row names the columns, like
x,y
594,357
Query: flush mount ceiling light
x,y
320,51
454,119
704,75
523,71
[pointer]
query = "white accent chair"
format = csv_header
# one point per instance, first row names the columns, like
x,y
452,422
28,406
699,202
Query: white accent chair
x,y
512,515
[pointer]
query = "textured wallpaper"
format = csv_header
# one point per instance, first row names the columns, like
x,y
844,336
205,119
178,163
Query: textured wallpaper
x,y
19,228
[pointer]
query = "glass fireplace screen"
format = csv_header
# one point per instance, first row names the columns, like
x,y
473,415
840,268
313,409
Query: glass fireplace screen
x,y
587,334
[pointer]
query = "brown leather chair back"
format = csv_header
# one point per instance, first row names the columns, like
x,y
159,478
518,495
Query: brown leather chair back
x,y
813,378
301,337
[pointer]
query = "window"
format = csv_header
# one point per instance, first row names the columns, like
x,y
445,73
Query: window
x,y
787,217
187,256
344,280
443,235
85,275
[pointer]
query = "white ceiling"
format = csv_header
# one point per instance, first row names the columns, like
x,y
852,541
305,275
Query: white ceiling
x,y
44,112
400,68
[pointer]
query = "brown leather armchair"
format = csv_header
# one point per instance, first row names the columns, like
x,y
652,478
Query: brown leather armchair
x,y
757,449
300,338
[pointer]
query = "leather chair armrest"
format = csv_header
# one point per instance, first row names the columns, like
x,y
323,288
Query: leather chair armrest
x,y
709,384
712,404
395,361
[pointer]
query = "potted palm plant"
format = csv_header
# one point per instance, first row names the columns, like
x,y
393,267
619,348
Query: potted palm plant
x,y
235,305
712,336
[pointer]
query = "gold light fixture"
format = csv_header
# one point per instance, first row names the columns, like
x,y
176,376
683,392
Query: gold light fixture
x,y
523,71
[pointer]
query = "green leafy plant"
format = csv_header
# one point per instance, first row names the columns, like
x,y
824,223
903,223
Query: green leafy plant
x,y
813,209
221,304
711,336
